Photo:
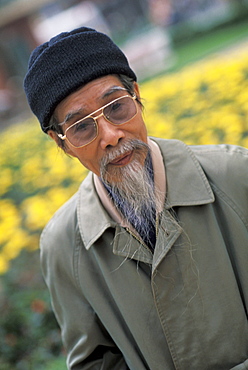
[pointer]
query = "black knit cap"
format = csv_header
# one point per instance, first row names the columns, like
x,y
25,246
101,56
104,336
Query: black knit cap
x,y
66,62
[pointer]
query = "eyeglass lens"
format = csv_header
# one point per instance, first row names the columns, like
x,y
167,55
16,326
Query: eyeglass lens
x,y
84,131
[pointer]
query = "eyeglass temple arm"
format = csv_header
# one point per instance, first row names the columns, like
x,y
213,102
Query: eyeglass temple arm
x,y
62,137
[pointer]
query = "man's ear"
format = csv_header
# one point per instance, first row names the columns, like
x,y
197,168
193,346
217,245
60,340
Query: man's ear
x,y
136,89
55,137
57,140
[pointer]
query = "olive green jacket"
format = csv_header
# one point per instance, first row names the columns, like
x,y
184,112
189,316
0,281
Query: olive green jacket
x,y
185,306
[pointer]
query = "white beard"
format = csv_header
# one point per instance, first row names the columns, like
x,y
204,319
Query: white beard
x,y
131,183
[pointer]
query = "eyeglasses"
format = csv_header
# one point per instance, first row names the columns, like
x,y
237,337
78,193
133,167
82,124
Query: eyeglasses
x,y
117,112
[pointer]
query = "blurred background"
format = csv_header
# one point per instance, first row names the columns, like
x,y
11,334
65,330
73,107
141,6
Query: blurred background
x,y
191,59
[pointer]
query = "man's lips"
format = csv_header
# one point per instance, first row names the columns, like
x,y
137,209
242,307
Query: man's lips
x,y
122,160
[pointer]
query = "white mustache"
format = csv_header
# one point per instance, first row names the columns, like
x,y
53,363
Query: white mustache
x,y
124,148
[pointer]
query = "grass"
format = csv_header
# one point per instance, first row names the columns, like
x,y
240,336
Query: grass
x,y
201,45
58,364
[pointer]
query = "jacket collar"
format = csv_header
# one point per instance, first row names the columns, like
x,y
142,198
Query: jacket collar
x,y
186,185
93,219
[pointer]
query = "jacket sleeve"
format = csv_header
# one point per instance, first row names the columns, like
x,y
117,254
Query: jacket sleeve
x,y
87,343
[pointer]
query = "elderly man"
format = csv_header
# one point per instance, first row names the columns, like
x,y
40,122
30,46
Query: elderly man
x,y
147,263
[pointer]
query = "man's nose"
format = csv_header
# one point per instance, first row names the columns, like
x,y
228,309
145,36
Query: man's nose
x,y
109,134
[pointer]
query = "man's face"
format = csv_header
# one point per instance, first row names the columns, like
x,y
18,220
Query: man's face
x,y
88,99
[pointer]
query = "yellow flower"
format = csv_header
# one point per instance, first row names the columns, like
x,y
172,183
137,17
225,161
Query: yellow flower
x,y
4,264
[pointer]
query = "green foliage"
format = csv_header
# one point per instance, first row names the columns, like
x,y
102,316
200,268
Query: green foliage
x,y
29,334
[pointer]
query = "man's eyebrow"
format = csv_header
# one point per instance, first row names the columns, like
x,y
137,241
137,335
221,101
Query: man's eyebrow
x,y
72,115
111,91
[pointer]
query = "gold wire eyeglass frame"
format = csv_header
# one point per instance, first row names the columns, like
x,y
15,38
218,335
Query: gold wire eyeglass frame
x,y
64,137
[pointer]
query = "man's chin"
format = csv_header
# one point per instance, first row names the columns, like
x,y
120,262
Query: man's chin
x,y
115,173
